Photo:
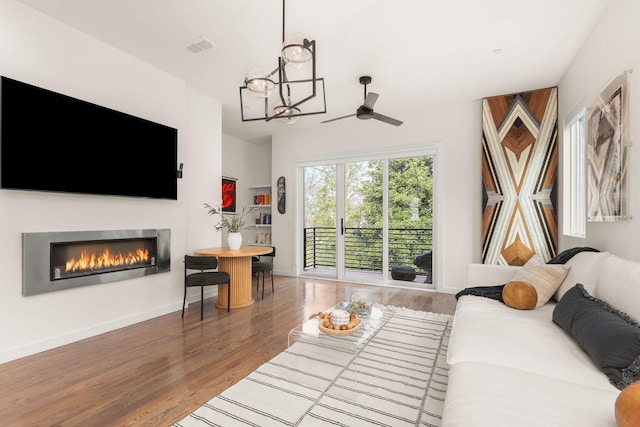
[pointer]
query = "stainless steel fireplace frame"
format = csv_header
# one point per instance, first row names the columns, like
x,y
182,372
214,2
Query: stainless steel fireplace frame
x,y
36,274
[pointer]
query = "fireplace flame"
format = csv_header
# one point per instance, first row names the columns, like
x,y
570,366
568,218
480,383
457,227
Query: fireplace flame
x,y
105,259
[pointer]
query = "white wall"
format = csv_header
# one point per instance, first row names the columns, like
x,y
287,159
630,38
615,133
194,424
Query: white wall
x,y
41,51
203,169
251,164
456,132
612,48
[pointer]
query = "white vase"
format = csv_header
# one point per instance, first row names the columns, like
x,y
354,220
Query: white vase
x,y
234,240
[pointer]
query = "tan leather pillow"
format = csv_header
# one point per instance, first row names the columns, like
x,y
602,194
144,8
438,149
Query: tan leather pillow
x,y
520,295
627,407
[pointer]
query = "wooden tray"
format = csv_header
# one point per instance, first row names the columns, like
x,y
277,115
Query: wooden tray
x,y
342,332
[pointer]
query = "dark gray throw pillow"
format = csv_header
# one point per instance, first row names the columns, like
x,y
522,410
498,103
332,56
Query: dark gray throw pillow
x,y
610,337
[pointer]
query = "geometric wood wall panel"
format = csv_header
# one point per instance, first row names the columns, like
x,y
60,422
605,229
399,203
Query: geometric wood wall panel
x,y
519,171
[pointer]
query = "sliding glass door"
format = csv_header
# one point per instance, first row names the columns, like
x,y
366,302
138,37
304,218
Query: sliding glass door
x,y
319,219
410,223
362,221
362,218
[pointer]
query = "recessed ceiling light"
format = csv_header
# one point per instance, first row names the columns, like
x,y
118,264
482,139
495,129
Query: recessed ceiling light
x,y
497,51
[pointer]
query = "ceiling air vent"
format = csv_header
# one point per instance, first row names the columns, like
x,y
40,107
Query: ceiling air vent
x,y
198,45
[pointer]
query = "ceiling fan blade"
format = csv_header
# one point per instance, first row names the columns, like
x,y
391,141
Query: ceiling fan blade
x,y
338,118
387,119
370,100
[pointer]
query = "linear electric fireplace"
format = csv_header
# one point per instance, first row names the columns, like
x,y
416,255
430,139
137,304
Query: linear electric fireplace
x,y
63,260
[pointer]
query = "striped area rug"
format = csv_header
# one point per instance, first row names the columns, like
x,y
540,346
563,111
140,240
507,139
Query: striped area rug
x,y
398,378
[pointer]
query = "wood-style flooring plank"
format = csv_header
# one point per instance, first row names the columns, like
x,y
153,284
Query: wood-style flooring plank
x,y
156,372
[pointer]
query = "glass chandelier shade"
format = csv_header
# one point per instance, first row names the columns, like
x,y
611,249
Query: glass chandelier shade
x,y
259,83
296,51
286,114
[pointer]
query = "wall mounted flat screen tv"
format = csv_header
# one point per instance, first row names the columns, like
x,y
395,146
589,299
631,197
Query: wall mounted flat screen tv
x,y
53,142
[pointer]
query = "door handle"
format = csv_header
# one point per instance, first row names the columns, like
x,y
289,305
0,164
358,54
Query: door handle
x,y
342,226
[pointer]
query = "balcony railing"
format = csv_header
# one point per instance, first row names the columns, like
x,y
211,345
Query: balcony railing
x,y
363,247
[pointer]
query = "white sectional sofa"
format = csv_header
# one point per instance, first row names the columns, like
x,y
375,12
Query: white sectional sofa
x,y
517,368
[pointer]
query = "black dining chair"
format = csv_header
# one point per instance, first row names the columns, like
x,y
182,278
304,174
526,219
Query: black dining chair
x,y
205,275
259,265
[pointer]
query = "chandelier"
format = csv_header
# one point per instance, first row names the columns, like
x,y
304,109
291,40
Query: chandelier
x,y
279,94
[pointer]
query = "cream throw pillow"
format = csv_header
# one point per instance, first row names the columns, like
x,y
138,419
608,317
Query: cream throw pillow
x,y
546,278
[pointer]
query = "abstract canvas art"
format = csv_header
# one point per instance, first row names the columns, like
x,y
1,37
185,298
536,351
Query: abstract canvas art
x,y
607,154
228,195
519,171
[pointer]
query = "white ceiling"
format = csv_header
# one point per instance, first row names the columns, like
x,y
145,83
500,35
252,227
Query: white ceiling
x,y
419,52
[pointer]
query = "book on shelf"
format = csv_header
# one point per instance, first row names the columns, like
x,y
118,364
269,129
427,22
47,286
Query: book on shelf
x,y
263,238
262,199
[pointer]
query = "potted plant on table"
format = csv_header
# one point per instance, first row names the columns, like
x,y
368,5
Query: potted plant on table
x,y
358,306
233,223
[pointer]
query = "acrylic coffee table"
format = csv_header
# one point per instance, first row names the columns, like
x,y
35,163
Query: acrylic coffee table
x,y
342,350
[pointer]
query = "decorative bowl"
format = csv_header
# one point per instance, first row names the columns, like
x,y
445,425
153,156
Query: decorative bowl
x,y
341,332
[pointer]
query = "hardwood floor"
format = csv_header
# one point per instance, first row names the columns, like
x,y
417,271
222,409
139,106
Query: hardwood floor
x,y
156,372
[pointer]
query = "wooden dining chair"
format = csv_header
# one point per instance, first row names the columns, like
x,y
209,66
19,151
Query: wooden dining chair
x,y
205,275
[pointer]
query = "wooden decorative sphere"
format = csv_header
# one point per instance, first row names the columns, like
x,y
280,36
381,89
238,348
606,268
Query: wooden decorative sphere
x,y
520,295
628,406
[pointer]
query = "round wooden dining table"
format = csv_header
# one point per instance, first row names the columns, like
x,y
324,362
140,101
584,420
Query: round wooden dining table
x,y
238,264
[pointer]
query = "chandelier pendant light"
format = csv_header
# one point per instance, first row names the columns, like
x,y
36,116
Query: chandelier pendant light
x,y
273,95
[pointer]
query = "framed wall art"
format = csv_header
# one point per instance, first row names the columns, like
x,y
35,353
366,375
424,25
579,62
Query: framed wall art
x,y
229,197
607,144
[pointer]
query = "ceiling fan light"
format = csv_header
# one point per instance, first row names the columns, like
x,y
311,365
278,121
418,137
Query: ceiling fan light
x,y
258,83
296,51
286,114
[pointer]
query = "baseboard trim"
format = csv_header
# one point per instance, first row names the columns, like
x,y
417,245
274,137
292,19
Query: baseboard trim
x,y
50,343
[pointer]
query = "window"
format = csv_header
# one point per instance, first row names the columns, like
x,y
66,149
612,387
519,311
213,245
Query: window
x,y
574,174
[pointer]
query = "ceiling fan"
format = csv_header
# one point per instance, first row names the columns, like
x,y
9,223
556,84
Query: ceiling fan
x,y
365,111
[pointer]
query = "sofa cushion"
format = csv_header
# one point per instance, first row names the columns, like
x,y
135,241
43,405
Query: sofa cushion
x,y
611,338
485,330
619,285
485,395
546,278
585,268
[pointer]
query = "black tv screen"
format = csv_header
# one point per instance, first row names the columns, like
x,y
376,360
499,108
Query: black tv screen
x,y
53,142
